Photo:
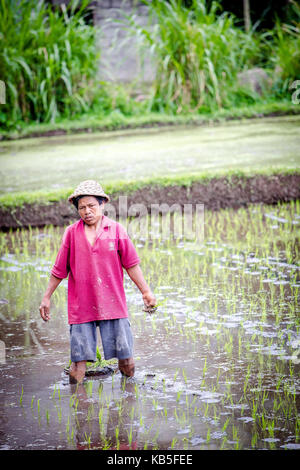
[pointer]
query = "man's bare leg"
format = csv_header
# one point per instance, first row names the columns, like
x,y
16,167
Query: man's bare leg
x,y
126,366
77,371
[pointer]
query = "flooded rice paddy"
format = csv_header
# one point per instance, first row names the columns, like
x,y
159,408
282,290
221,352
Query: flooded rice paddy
x,y
217,366
59,162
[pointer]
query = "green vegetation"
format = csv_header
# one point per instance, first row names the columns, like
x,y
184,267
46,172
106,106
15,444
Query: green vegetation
x,y
127,160
89,122
217,364
198,53
48,62
286,38
13,200
226,377
100,362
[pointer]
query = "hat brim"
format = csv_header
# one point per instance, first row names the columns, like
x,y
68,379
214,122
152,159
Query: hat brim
x,y
74,195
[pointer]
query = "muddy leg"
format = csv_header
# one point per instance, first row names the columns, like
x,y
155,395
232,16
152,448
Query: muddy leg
x,y
77,371
126,367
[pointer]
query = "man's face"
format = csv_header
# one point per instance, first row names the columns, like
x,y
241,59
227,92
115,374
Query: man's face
x,y
90,210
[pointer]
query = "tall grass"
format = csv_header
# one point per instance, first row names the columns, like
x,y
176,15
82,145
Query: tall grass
x,y
48,60
197,51
286,38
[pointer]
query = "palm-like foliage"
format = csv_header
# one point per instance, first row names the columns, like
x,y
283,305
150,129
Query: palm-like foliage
x,y
48,60
287,46
197,54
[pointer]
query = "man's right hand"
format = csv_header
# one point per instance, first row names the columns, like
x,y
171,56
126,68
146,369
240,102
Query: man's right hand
x,y
45,309
149,302
45,304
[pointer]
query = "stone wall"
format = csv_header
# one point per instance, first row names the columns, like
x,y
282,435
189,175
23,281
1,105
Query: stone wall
x,y
120,60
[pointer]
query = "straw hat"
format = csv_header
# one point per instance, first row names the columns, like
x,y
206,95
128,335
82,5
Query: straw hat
x,y
88,188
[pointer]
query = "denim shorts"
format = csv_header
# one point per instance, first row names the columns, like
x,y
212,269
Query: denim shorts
x,y
116,337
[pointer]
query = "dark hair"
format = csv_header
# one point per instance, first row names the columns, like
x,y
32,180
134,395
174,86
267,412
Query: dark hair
x,y
75,201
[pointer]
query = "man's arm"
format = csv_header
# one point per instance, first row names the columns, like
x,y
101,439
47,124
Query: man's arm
x,y
45,304
136,275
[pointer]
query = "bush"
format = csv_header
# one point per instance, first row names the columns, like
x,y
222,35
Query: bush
x,y
287,47
48,60
197,54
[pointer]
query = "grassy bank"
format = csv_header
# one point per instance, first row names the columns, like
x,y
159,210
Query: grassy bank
x,y
54,163
11,201
116,120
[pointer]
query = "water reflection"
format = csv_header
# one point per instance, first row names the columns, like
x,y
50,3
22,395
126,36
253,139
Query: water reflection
x,y
217,366
96,430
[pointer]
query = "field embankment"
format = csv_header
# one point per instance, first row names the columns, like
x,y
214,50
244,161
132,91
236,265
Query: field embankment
x,y
215,192
92,123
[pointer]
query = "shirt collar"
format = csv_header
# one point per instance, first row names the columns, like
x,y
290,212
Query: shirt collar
x,y
105,222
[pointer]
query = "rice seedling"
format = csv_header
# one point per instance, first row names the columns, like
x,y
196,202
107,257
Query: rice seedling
x,y
38,406
32,400
237,318
21,397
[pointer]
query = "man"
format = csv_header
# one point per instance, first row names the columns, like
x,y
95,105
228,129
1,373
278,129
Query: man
x,y
92,255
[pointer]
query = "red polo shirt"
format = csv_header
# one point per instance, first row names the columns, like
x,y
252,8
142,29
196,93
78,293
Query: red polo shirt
x,y
95,282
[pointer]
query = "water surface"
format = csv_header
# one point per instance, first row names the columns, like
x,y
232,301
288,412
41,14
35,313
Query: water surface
x,y
64,161
217,367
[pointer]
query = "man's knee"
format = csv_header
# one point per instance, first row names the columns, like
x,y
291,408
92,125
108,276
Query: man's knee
x,y
126,366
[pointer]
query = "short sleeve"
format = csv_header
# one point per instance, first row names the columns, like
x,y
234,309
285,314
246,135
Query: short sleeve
x,y
126,249
61,266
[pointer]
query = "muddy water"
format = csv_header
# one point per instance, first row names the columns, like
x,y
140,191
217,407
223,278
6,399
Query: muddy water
x,y
217,367
59,162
